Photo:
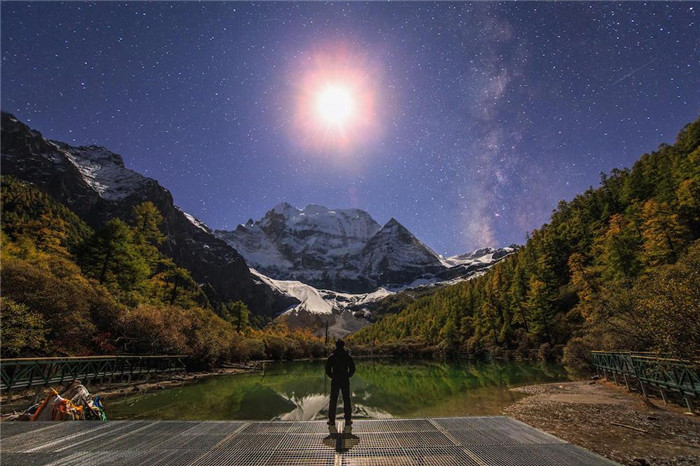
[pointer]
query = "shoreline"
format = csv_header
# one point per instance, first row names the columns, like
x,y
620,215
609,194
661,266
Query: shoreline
x,y
607,419
15,403
597,415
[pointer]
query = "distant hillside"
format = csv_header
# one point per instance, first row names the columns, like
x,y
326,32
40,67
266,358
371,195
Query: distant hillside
x,y
617,267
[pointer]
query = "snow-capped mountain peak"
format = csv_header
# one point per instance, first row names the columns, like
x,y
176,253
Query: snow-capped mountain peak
x,y
314,245
353,223
338,249
395,256
285,209
482,255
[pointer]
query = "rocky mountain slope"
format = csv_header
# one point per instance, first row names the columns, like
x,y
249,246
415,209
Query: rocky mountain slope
x,y
338,262
345,250
315,245
345,313
94,183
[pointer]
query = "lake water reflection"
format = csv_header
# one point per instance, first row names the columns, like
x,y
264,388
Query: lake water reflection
x,y
380,389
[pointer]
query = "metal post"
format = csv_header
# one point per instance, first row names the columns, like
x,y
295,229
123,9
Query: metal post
x,y
663,396
688,403
641,384
39,391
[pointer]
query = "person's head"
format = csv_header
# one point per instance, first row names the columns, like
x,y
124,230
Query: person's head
x,y
340,344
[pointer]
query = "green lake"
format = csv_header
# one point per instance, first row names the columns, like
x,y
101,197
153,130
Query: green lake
x,y
380,389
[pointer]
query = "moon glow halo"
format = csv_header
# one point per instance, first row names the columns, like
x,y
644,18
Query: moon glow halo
x,y
335,104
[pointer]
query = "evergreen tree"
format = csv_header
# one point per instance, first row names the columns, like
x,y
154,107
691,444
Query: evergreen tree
x,y
112,257
539,305
237,313
688,198
662,233
620,249
146,232
23,331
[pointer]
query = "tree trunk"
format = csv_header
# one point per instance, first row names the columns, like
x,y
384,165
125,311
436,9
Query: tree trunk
x,y
108,257
173,294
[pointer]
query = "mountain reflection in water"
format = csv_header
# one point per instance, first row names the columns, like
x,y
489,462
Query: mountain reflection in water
x,y
380,389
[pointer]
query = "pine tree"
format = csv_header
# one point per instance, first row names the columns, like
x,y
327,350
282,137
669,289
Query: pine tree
x,y
688,198
662,233
112,257
180,281
620,249
237,313
146,232
539,305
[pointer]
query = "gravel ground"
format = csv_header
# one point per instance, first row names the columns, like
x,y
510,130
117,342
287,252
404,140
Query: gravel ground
x,y
585,413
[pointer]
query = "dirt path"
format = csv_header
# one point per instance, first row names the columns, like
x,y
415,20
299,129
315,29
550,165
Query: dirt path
x,y
583,413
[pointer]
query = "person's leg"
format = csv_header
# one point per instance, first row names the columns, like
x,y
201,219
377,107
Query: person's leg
x,y
347,407
333,404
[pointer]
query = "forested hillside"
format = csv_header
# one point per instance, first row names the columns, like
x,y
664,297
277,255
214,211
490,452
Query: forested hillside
x,y
70,290
618,267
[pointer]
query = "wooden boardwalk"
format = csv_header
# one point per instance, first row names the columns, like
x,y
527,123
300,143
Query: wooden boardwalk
x,y
492,440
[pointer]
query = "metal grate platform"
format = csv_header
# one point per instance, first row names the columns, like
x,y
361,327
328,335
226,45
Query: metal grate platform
x,y
492,440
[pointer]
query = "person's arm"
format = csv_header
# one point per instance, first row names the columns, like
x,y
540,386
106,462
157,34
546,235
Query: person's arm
x,y
329,367
351,366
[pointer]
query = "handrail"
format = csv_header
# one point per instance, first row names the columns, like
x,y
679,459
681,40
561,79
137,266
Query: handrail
x,y
660,373
29,372
656,357
109,356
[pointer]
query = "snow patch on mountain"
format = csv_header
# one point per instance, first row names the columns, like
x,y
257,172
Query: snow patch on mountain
x,y
317,301
479,256
103,170
311,299
194,221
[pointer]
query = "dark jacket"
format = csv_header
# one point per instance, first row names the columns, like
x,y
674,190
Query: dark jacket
x,y
340,367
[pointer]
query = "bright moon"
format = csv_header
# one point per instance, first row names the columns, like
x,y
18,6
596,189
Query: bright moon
x,y
335,104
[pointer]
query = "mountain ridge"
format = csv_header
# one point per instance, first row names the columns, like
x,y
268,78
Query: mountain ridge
x,y
330,250
94,183
344,250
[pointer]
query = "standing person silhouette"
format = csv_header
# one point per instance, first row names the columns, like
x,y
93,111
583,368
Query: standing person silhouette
x,y
340,367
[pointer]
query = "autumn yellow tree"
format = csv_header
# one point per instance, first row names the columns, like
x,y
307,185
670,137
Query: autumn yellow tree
x,y
662,233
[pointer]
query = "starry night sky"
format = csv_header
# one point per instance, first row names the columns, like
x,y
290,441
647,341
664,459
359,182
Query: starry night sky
x,y
486,115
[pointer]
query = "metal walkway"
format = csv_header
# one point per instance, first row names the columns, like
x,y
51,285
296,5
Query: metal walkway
x,y
493,440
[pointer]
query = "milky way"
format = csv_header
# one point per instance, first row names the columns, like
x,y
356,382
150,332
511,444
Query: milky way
x,y
487,115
